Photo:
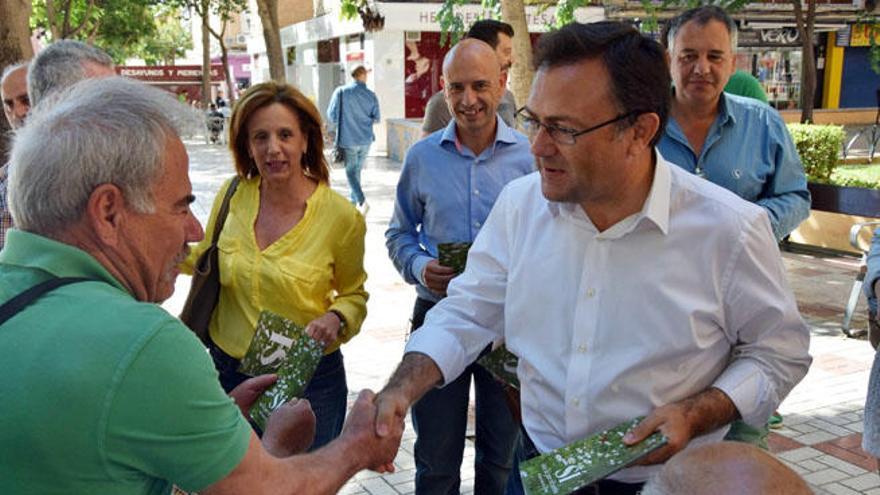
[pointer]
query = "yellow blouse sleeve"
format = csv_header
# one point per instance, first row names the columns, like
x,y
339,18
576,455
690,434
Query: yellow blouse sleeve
x,y
349,277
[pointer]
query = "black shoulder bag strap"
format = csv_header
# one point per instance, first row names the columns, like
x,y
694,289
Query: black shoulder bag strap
x,y
13,306
224,210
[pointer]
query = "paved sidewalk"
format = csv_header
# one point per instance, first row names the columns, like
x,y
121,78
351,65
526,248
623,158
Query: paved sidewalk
x,y
823,415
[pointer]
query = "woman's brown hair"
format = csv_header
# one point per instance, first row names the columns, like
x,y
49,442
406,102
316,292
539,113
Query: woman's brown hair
x,y
261,95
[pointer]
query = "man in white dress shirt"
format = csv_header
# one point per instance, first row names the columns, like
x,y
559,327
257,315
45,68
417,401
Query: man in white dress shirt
x,y
626,286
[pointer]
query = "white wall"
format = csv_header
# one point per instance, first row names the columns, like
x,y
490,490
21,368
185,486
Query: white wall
x,y
387,61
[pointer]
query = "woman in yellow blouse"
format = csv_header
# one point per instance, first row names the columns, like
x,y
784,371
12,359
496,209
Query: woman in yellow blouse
x,y
290,245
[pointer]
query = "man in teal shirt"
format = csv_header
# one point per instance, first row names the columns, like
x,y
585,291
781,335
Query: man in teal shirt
x,y
103,391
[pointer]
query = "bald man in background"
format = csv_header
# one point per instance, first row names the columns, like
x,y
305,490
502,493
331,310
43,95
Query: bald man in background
x,y
726,468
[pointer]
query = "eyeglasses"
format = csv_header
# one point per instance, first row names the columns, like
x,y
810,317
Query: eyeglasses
x,y
562,135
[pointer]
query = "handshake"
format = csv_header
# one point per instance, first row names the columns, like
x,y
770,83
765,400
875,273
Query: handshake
x,y
370,437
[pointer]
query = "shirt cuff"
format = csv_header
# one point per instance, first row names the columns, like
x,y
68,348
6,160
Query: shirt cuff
x,y
441,347
750,390
418,268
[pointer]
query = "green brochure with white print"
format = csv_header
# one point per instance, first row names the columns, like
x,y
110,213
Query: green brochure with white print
x,y
502,364
586,461
280,346
453,254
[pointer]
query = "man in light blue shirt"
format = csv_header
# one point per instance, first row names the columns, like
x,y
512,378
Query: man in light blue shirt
x,y
735,142
738,143
353,110
447,187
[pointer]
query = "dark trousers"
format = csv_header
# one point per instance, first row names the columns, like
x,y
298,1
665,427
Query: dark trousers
x,y
327,392
527,450
440,421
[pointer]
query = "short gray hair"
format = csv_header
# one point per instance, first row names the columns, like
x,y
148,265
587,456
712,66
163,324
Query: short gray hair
x,y
702,16
100,131
60,65
9,69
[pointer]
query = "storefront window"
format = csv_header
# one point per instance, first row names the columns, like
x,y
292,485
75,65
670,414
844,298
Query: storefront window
x,y
778,69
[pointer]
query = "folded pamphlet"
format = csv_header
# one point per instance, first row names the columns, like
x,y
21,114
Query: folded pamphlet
x,y
453,254
280,346
586,461
502,364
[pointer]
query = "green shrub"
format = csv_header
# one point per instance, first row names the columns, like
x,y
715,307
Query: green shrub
x,y
818,146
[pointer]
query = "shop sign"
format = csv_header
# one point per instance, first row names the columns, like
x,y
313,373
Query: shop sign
x,y
424,16
781,36
861,34
170,73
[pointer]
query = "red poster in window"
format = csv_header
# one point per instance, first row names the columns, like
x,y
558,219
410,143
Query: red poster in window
x,y
424,65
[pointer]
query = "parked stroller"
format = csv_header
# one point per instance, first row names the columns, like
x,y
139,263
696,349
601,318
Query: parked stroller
x,y
215,123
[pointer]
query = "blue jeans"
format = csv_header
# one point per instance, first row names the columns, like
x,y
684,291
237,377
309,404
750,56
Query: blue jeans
x,y
327,392
354,161
440,421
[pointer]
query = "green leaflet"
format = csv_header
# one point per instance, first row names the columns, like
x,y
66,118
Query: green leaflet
x,y
568,468
502,364
453,254
280,346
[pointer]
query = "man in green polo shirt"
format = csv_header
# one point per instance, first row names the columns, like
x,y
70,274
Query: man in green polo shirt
x,y
102,390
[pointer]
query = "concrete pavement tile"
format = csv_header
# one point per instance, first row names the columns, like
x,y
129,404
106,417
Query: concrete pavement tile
x,y
801,454
855,457
857,426
802,428
796,468
406,488
815,437
852,441
378,486
873,491
842,465
825,476
405,462
400,476
812,465
794,419
863,482
838,489
837,431
352,489
366,474
839,419
780,443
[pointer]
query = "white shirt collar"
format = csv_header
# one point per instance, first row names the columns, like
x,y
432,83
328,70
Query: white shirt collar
x,y
655,208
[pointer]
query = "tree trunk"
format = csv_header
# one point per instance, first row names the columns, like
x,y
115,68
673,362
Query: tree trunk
x,y
15,46
268,10
805,26
224,59
51,18
206,56
513,12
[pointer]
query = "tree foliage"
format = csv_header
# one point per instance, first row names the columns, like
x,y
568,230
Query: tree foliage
x,y
171,40
120,27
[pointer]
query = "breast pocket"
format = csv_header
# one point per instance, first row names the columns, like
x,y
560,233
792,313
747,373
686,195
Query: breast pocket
x,y
305,286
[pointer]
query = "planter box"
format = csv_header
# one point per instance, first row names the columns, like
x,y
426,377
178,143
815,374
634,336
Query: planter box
x,y
834,211
848,200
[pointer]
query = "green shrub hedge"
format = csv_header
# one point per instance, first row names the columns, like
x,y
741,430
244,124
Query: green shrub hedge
x,y
819,147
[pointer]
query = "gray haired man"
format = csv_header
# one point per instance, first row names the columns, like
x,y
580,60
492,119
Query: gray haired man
x,y
60,65
100,193
65,63
13,92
